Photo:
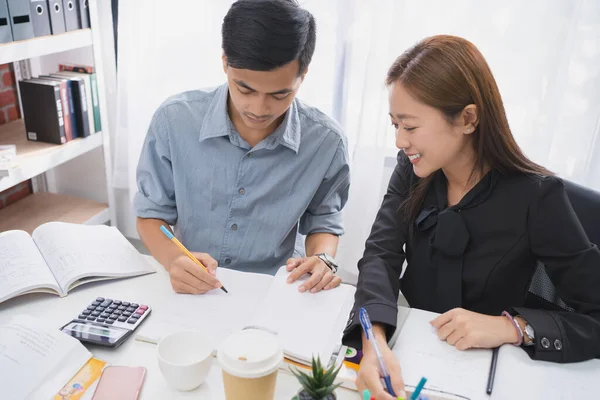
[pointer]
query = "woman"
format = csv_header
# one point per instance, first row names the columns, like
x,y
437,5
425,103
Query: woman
x,y
475,215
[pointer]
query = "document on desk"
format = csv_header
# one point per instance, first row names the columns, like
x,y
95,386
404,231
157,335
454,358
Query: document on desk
x,y
518,376
421,353
305,323
465,373
59,256
35,360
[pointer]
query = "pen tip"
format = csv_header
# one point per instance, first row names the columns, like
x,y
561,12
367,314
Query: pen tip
x,y
223,289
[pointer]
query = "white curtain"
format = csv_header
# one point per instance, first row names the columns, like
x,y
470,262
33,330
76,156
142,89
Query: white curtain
x,y
545,55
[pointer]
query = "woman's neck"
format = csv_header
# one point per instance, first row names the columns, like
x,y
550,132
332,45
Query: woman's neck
x,y
462,176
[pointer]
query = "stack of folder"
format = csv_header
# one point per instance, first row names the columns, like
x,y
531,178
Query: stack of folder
x,y
26,19
62,106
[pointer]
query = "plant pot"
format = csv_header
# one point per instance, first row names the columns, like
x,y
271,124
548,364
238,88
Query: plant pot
x,y
302,395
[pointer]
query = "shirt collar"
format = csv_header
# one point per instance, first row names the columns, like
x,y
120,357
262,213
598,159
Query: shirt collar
x,y
217,123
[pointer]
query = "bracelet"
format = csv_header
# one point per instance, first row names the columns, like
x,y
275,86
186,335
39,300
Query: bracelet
x,y
516,325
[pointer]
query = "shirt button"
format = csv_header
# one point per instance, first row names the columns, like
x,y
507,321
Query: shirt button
x,y
249,155
557,344
545,343
234,227
242,191
228,261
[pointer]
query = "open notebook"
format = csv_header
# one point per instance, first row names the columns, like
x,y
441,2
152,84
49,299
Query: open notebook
x,y
59,256
465,373
305,323
36,359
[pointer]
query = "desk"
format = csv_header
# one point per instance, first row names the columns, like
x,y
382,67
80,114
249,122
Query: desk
x,y
149,289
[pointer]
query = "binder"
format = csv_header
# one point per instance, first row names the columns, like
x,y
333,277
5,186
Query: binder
x,y
40,18
42,111
84,13
66,97
80,103
5,32
20,20
57,16
70,9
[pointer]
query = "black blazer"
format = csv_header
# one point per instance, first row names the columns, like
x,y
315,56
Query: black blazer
x,y
480,255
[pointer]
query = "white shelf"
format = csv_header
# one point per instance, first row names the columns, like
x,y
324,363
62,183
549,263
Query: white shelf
x,y
39,208
41,46
35,158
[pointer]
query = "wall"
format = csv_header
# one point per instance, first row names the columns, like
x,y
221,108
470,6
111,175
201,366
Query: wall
x,y
9,111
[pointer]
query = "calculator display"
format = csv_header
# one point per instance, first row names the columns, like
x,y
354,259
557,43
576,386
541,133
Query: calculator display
x,y
96,330
94,333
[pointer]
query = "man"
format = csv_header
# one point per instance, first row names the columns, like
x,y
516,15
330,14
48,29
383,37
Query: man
x,y
240,170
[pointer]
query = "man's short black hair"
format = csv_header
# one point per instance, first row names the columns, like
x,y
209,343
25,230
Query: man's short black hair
x,y
263,35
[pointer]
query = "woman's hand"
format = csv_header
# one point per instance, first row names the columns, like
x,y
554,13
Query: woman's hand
x,y
465,329
369,376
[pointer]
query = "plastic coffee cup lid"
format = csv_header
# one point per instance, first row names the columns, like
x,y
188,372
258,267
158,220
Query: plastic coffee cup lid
x,y
250,353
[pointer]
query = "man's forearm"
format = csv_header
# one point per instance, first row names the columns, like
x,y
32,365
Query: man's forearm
x,y
161,248
321,243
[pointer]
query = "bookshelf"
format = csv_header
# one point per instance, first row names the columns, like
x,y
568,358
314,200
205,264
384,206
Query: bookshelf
x,y
73,181
35,158
41,46
39,208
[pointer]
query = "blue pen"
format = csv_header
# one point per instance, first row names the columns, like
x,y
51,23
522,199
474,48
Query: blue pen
x,y
368,328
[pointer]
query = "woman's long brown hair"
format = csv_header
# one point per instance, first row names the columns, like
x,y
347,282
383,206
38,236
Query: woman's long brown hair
x,y
449,73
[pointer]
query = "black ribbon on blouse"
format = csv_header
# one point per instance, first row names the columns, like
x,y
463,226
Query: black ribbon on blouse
x,y
449,238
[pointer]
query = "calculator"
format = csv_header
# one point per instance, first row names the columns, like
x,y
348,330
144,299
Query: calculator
x,y
107,322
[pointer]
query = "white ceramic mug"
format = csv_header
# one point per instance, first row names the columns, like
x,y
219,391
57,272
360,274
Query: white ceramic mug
x,y
185,358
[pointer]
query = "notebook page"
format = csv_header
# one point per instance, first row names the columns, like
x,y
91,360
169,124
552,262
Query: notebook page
x,y
32,352
421,353
518,376
22,267
75,251
306,323
216,314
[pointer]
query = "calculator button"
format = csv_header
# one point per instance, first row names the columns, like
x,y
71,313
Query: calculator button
x,y
132,320
91,308
122,308
110,310
96,303
100,319
135,305
117,302
106,303
105,315
109,321
126,314
100,299
91,318
82,316
95,314
100,309
143,307
126,303
114,316
117,312
140,312
131,309
122,319
86,312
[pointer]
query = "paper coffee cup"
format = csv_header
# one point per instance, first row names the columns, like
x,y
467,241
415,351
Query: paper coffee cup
x,y
250,360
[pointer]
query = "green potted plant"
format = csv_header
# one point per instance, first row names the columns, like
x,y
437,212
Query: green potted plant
x,y
318,385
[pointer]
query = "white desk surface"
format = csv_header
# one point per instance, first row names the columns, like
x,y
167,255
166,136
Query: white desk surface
x,y
148,289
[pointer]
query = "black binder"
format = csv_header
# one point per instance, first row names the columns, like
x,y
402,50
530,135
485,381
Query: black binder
x,y
42,111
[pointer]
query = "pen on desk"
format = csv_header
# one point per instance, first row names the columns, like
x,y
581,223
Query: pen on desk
x,y
418,389
368,328
490,384
173,239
